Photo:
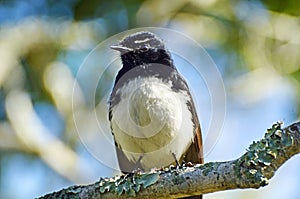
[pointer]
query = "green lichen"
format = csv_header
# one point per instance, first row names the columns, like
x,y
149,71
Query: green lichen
x,y
129,184
147,179
74,190
71,193
208,168
178,180
262,153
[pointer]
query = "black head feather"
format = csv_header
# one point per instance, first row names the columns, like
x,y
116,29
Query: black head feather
x,y
143,48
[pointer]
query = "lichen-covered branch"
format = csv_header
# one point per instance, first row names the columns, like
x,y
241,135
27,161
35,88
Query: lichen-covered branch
x,y
252,170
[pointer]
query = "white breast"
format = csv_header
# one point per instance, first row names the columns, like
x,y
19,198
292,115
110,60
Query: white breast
x,y
152,121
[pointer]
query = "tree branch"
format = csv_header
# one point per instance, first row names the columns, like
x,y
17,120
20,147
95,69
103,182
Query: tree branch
x,y
251,170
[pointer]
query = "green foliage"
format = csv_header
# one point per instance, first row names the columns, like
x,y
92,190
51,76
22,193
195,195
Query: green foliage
x,y
291,7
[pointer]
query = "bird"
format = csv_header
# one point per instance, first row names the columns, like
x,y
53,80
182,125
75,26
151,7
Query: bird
x,y
152,114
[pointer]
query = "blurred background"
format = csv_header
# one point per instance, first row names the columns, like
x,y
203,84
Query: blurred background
x,y
255,45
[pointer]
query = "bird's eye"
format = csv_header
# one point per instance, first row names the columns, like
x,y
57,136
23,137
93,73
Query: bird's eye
x,y
144,48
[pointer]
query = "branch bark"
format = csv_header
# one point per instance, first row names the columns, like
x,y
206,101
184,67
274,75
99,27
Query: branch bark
x,y
251,170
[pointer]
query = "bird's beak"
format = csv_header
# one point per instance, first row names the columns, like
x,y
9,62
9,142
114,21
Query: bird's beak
x,y
121,49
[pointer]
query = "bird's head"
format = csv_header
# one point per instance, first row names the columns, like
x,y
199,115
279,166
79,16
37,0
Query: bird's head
x,y
142,48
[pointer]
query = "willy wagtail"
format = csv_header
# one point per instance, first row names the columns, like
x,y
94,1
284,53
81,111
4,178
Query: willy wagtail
x,y
152,114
